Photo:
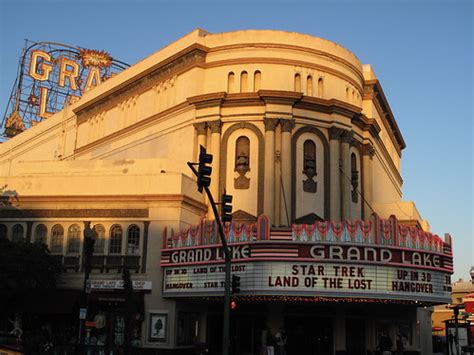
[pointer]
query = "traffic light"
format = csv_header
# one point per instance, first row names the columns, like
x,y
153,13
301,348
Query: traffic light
x,y
235,284
233,305
204,171
226,209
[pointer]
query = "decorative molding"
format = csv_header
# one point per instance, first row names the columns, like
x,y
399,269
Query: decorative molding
x,y
367,149
166,69
287,125
270,123
201,128
75,213
347,136
215,126
207,100
335,133
366,124
373,91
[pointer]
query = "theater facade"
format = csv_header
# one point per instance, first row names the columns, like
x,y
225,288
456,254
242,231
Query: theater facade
x,y
302,137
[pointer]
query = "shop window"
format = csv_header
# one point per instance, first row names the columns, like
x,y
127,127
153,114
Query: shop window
x,y
115,240
41,233
231,82
309,166
354,178
309,85
3,231
73,239
188,328
133,240
320,88
257,81
244,78
99,245
242,162
18,233
297,83
57,236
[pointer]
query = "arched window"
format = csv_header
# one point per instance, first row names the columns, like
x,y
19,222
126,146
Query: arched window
x,y
244,78
353,96
309,85
242,162
57,236
297,83
133,239
354,178
309,166
257,81
231,82
115,240
41,233
3,231
320,88
100,241
347,95
73,239
18,233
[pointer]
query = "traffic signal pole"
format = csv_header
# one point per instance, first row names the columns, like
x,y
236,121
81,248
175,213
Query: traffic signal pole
x,y
227,258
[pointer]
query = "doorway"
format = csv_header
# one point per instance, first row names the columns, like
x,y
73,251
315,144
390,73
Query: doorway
x,y
355,336
309,335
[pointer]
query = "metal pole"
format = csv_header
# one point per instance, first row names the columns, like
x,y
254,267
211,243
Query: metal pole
x,y
227,256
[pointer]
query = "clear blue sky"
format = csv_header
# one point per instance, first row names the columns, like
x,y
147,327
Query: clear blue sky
x,y
422,52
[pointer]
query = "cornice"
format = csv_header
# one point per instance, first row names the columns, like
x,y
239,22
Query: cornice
x,y
366,124
207,100
90,199
280,96
331,106
373,90
192,56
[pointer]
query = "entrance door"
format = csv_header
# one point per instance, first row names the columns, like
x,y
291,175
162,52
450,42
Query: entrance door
x,y
309,335
355,336
245,333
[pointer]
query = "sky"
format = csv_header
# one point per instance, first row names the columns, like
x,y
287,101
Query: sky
x,y
421,51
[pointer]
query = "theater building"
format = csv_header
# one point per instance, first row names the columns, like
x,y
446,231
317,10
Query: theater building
x,y
302,137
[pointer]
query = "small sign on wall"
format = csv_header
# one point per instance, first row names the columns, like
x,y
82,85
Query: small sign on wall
x,y
157,327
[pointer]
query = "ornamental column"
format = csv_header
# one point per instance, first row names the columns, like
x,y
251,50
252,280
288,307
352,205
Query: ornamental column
x,y
287,126
269,180
367,151
334,174
215,127
201,129
346,197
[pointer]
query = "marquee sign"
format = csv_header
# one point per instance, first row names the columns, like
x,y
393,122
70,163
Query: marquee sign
x,y
377,259
51,76
311,279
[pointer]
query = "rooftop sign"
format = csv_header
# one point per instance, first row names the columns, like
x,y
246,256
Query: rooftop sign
x,y
51,76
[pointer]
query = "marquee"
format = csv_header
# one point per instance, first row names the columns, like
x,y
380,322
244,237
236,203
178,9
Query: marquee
x,y
325,260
